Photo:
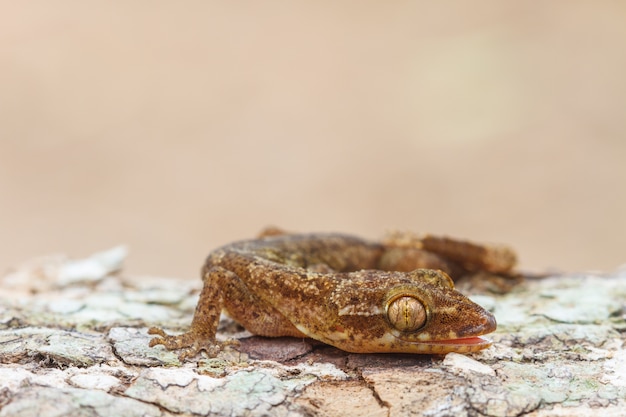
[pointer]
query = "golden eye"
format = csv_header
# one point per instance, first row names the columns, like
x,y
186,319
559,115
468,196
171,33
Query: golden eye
x,y
406,313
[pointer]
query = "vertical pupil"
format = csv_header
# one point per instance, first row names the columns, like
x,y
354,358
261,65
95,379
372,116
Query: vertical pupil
x,y
406,313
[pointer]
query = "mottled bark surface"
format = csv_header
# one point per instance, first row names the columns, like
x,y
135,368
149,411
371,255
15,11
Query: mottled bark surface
x,y
73,342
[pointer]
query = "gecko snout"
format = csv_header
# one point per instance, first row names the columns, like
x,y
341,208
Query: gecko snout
x,y
488,324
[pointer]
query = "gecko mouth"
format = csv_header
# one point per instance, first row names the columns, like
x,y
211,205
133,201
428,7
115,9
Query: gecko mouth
x,y
470,341
462,345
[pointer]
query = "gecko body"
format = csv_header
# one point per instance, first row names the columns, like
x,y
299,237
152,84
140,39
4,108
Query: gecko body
x,y
354,294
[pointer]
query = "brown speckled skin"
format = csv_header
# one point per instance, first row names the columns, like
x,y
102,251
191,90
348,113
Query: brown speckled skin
x,y
336,288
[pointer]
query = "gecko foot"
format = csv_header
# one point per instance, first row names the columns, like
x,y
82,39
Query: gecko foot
x,y
189,344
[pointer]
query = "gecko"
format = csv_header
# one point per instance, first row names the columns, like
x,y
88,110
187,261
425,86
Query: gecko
x,y
361,296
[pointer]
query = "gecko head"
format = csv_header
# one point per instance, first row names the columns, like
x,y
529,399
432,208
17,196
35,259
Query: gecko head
x,y
428,315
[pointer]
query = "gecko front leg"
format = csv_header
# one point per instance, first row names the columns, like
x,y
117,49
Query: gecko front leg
x,y
201,336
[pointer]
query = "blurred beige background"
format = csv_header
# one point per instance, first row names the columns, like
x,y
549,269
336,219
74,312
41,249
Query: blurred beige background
x,y
176,127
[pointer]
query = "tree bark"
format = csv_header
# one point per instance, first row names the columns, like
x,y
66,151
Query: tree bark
x,y
73,341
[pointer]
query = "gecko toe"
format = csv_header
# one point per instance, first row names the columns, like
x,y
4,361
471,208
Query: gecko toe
x,y
157,331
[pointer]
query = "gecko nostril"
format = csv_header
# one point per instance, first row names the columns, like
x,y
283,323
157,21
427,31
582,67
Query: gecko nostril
x,y
489,323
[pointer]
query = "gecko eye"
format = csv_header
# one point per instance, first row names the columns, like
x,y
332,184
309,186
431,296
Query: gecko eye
x,y
406,313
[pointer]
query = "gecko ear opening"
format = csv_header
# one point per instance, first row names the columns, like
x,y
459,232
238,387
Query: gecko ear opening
x,y
406,313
